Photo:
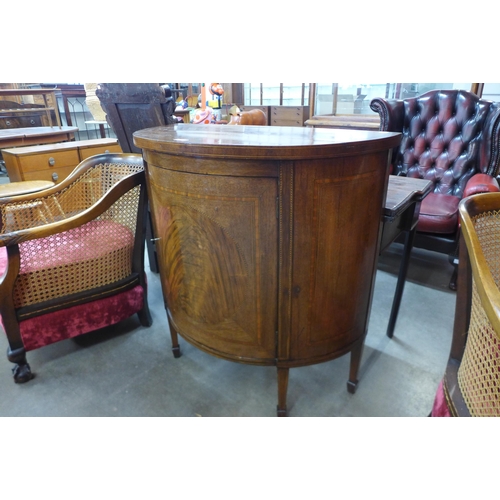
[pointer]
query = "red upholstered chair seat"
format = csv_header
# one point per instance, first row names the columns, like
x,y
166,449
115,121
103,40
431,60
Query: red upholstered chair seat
x,y
69,255
438,214
87,242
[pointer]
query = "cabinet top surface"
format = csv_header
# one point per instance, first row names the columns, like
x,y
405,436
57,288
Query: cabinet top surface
x,y
60,146
34,131
262,141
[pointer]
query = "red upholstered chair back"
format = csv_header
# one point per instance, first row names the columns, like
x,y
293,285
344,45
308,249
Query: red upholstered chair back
x,y
448,136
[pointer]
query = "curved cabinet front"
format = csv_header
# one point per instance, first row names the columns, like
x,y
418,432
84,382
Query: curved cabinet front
x,y
267,239
220,256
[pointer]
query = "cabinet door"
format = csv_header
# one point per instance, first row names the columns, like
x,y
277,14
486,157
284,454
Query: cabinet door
x,y
218,245
337,218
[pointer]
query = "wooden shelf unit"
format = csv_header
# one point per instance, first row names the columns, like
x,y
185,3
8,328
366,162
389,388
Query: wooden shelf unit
x,y
45,96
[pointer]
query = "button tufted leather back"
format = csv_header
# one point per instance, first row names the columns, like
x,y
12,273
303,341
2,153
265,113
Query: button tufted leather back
x,y
447,137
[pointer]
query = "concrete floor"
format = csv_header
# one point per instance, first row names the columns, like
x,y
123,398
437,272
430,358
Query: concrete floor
x,y
128,370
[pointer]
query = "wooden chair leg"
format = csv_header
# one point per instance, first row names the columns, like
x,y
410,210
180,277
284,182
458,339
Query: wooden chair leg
x,y
21,370
453,258
453,279
282,391
145,316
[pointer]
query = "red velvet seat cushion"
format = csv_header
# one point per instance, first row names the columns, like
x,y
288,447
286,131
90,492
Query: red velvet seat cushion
x,y
438,214
89,242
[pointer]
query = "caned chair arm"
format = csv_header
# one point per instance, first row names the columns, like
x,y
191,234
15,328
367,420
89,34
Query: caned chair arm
x,y
30,217
487,288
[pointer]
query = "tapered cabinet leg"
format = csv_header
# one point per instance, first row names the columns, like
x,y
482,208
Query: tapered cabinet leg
x,y
282,390
175,338
356,353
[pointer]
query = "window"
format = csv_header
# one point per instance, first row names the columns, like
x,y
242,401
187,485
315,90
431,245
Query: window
x,y
276,94
355,98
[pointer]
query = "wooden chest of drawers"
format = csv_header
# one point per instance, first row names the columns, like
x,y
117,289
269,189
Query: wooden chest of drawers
x,y
53,162
291,116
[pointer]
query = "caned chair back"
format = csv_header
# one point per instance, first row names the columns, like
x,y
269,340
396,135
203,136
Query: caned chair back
x,y
479,371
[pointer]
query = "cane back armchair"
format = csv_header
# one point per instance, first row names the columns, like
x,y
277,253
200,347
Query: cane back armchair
x,y
72,256
471,385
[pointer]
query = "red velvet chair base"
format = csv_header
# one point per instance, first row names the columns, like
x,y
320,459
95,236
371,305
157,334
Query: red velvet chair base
x,y
68,323
440,406
73,321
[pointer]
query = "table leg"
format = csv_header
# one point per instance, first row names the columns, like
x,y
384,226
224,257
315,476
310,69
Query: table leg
x,y
403,269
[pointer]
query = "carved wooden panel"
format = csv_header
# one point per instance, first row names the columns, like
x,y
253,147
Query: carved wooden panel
x,y
220,243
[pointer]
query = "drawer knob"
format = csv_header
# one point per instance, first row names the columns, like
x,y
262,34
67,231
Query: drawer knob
x,y
55,177
52,162
107,151
7,123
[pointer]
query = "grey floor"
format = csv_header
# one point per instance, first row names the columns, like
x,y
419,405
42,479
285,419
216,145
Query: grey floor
x,y
128,370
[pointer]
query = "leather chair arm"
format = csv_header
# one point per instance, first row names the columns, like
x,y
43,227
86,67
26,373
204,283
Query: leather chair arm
x,y
489,154
481,183
391,112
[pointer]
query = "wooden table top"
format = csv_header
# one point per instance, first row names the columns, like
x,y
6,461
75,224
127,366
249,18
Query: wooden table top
x,y
24,136
262,142
23,187
402,191
345,121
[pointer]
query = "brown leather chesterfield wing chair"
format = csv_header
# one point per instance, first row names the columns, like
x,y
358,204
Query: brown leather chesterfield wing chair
x,y
451,137
471,385
72,256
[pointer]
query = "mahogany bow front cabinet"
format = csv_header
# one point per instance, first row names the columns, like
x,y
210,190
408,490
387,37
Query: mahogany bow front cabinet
x,y
268,239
